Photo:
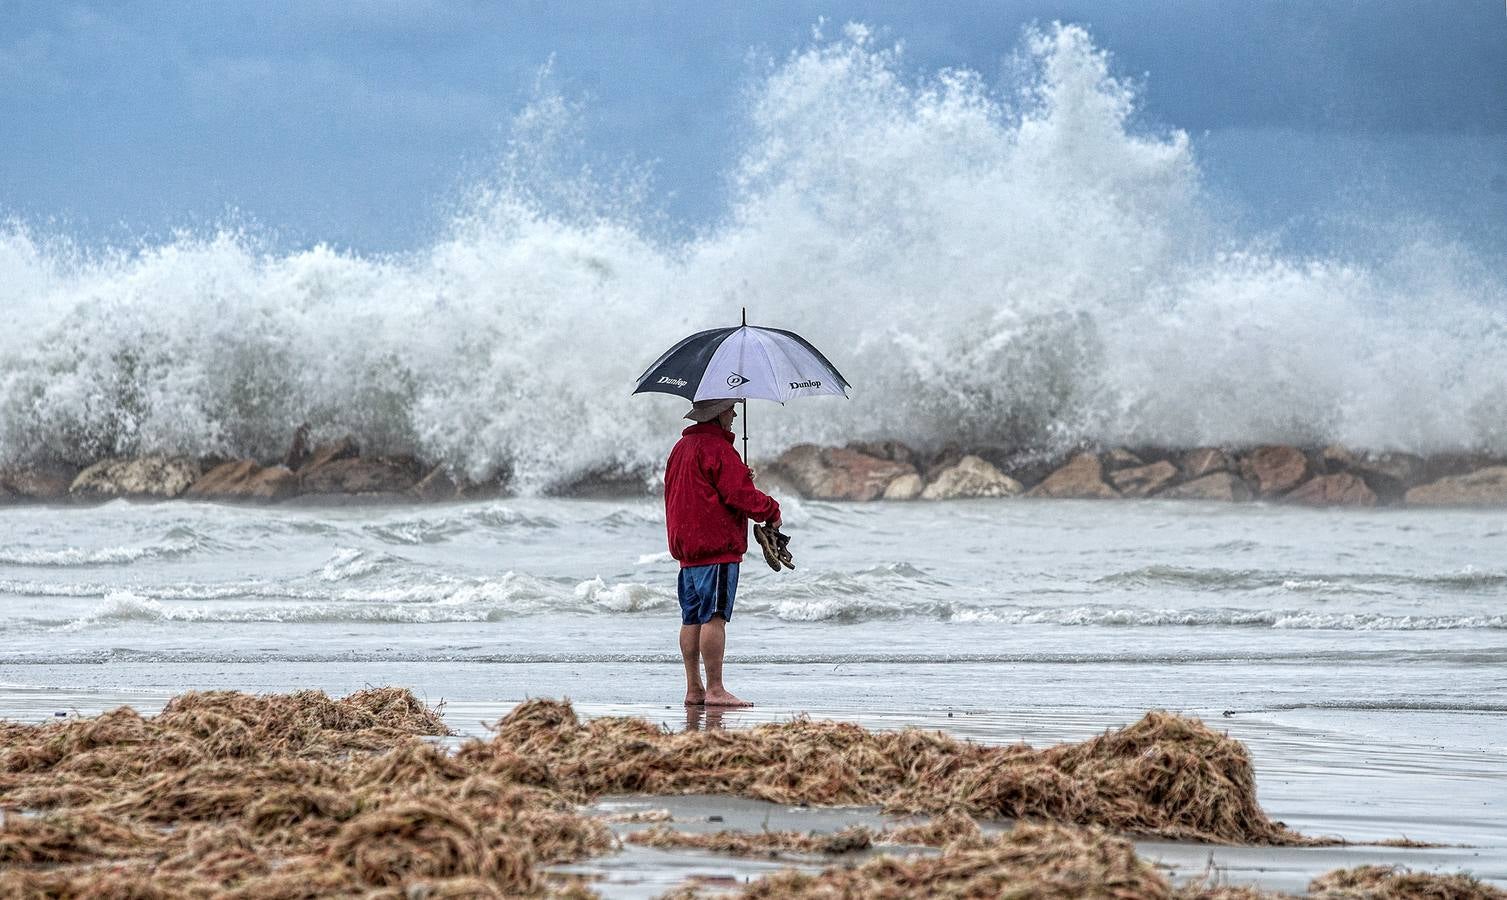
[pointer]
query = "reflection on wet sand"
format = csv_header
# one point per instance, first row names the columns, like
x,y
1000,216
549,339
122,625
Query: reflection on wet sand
x,y
704,718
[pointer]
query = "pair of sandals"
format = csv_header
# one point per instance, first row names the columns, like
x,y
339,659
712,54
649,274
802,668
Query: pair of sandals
x,y
776,546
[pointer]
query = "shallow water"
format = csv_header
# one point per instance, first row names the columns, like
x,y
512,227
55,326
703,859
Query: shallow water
x,y
1359,653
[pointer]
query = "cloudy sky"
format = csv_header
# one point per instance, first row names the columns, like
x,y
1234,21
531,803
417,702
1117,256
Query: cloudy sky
x,y
357,122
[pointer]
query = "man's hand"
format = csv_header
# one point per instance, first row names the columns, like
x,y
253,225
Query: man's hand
x,y
752,475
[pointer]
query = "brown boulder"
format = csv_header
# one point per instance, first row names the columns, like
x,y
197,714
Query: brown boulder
x,y
155,476
357,476
1082,477
838,473
220,480
1343,489
1143,481
272,484
1275,469
38,482
244,480
971,477
1483,487
1224,486
1205,460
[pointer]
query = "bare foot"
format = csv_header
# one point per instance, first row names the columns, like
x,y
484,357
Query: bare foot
x,y
719,697
695,698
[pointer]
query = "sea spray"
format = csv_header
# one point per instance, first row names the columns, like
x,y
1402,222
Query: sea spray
x,y
1024,263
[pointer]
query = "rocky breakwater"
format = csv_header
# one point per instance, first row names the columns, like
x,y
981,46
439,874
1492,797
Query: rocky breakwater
x,y
329,473
339,473
1327,476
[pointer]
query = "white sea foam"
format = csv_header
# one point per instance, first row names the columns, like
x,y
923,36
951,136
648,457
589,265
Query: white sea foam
x,y
622,597
97,556
348,563
1021,263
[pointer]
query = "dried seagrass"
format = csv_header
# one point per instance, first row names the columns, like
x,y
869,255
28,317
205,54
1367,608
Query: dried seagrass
x,y
1388,883
1164,775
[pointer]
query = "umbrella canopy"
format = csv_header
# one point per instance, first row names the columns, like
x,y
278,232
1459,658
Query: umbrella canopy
x,y
745,363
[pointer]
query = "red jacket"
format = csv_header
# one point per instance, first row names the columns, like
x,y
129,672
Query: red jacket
x,y
709,498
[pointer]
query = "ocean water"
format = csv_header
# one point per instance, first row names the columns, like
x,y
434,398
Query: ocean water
x,y
1319,603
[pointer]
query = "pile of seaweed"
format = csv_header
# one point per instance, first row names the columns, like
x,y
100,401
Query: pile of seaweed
x,y
229,795
1164,776
1042,861
225,794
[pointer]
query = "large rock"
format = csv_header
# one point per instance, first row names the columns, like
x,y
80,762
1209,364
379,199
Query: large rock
x,y
838,473
1484,487
971,477
245,481
1342,489
1224,486
907,487
1204,461
37,482
145,476
223,479
1275,469
1082,477
272,484
358,476
1143,481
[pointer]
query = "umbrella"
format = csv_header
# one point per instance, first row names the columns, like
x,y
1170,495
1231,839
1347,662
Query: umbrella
x,y
744,362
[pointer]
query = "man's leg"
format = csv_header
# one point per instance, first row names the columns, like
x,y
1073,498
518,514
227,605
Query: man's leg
x,y
713,641
690,652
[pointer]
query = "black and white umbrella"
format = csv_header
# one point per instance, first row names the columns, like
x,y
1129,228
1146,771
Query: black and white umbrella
x,y
744,363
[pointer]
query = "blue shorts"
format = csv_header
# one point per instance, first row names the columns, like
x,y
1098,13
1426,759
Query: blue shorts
x,y
707,591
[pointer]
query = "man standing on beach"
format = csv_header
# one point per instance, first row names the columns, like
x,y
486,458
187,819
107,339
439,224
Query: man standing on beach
x,y
709,499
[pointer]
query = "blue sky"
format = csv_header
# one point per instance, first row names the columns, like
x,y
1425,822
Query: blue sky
x,y
357,122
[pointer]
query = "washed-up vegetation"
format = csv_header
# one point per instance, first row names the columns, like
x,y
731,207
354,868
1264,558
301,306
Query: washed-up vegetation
x,y
1051,862
225,794
1165,775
